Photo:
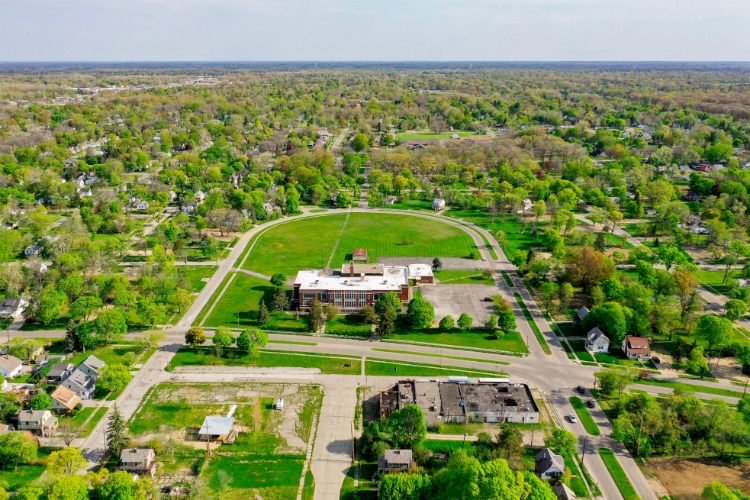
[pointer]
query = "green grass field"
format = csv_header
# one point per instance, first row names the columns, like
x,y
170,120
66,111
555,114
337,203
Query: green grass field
x,y
378,367
433,355
476,338
243,298
508,281
26,474
715,279
579,347
198,356
411,205
91,424
282,473
300,244
464,278
112,355
427,135
400,236
615,470
195,275
350,324
519,236
530,319
584,416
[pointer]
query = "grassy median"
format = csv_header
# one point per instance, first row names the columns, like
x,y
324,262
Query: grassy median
x,y
584,416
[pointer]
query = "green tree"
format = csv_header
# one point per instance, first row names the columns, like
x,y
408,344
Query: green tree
x,y
116,427
223,337
491,322
41,401
51,300
420,312
436,264
279,299
600,243
360,142
110,325
278,280
407,427
263,316
713,329
405,487
84,306
195,336
70,488
614,379
386,308
118,486
315,315
506,321
330,312
65,462
561,442
447,323
611,318
465,321
735,308
16,448
244,341
113,378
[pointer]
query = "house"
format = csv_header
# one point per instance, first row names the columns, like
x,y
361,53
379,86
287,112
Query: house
x,y
85,192
691,196
527,205
218,429
38,267
438,204
351,293
200,196
279,404
32,249
650,212
6,428
395,461
582,313
41,421
360,255
10,366
563,492
142,205
10,225
390,200
81,384
549,466
64,400
172,196
636,348
12,308
132,198
141,461
91,366
420,273
189,207
59,372
596,341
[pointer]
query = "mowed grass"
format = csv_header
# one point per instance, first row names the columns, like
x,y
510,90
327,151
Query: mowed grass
x,y
201,356
112,355
26,474
376,367
195,275
350,324
518,235
396,235
618,474
176,414
295,245
91,424
464,278
476,338
584,416
431,136
282,473
242,301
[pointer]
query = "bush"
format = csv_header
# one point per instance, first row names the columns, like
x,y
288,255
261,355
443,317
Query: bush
x,y
447,323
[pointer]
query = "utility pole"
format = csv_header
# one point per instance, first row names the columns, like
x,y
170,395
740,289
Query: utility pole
x,y
744,391
352,428
585,440
640,430
466,421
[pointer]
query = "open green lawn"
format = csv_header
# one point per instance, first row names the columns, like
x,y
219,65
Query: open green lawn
x,y
26,474
91,424
464,278
519,236
617,357
537,332
584,416
715,279
174,414
395,235
77,421
112,354
411,205
434,355
195,275
476,338
427,135
243,298
579,347
198,356
410,369
350,324
295,245
621,479
281,473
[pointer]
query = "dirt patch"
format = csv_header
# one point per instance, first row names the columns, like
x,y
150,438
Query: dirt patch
x,y
685,478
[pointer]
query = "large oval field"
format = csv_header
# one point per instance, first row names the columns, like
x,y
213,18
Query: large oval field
x,y
307,243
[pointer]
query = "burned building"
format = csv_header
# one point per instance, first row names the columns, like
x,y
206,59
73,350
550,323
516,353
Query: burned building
x,y
490,400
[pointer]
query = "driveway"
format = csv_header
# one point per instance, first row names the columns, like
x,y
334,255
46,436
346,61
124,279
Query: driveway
x,y
456,299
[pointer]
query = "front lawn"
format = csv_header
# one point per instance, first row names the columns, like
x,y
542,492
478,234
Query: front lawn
x,y
476,338
376,367
26,474
350,324
579,347
464,278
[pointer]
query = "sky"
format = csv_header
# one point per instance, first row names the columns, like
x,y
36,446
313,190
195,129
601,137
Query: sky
x,y
374,30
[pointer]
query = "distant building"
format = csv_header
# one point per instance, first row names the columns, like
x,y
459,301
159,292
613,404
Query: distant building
x,y
12,308
32,249
596,341
527,205
549,466
391,200
189,207
438,204
218,429
41,421
395,461
563,492
359,255
636,348
421,273
582,313
10,366
64,400
142,205
141,461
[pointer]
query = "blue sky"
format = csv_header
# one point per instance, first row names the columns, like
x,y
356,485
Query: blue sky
x,y
374,30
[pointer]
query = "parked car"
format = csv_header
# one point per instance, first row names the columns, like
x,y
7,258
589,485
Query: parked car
x,y
573,418
580,389
488,299
656,359
590,404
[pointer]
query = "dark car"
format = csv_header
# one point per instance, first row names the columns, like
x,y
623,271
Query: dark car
x,y
656,359
590,404
580,389
488,299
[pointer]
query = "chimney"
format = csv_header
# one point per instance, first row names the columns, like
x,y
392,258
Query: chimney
x,y
351,268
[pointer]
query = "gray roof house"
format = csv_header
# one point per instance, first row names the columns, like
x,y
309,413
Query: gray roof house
x,y
138,460
218,429
37,420
549,465
10,366
92,366
395,461
81,384
563,492
596,341
59,372
582,313
12,308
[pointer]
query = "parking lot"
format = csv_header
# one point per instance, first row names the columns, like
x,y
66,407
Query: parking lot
x,y
456,299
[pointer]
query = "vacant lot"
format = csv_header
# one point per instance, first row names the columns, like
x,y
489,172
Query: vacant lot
x,y
478,338
675,472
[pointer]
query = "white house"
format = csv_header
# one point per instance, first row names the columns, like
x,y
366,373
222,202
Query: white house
x,y
10,366
142,205
527,205
549,466
636,348
37,267
32,249
438,204
85,192
200,196
37,420
596,341
189,207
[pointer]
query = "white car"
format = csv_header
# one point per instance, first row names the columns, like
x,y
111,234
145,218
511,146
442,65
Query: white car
x,y
573,418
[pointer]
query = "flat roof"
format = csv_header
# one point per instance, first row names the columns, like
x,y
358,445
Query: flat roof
x,y
392,280
419,270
